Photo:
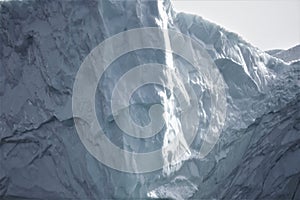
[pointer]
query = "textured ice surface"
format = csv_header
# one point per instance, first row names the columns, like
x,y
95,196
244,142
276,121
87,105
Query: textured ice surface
x,y
42,45
289,55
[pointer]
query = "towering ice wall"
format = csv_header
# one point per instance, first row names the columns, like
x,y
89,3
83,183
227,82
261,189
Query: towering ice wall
x,y
43,45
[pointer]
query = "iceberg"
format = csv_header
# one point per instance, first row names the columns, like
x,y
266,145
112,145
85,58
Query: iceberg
x,y
253,153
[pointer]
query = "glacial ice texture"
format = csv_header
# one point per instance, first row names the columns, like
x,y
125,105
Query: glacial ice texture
x,y
290,55
42,45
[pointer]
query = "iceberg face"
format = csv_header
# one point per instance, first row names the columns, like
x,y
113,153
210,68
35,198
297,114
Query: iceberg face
x,y
251,152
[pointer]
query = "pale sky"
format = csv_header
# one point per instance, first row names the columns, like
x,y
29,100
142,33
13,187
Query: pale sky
x,y
266,24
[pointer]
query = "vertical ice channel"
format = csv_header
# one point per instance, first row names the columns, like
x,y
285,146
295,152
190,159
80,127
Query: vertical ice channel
x,y
175,148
